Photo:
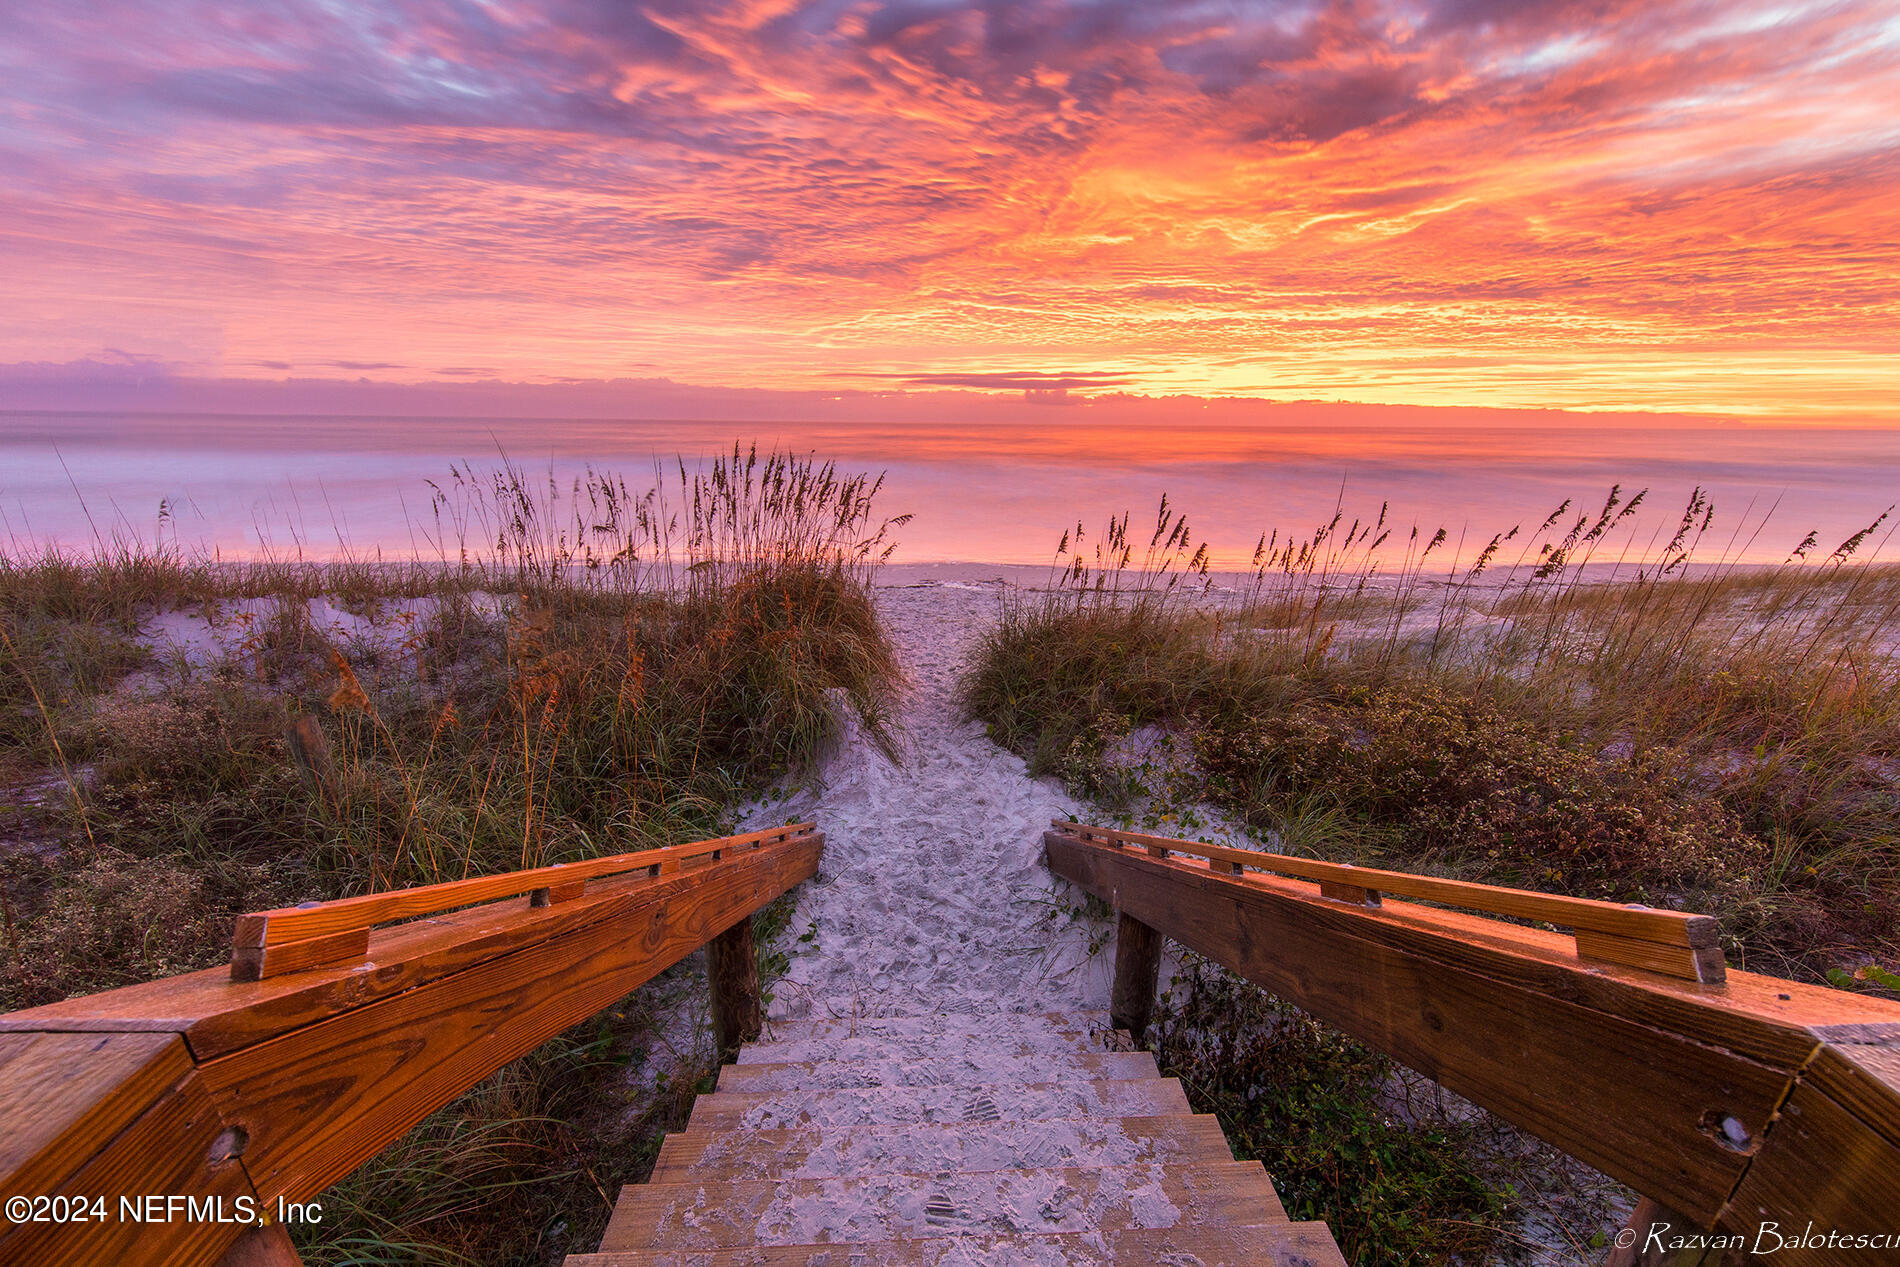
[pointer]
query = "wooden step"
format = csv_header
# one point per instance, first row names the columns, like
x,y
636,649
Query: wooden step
x,y
714,1215
874,1106
863,1150
1262,1245
939,1071
935,1025
885,1048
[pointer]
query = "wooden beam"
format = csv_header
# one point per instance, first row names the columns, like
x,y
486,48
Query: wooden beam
x,y
112,1116
1572,1053
60,1094
732,968
217,1016
1766,1019
1676,942
1137,972
320,1100
300,923
1830,1159
106,1096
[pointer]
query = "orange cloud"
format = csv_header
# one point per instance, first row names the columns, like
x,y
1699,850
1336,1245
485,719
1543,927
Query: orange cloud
x,y
1687,206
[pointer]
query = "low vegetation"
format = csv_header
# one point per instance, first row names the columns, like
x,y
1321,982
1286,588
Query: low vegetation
x,y
1559,708
579,670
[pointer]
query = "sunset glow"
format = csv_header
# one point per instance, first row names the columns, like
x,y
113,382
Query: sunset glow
x,y
1689,207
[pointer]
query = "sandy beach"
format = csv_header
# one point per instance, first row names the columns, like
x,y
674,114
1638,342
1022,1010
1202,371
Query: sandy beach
x,y
932,895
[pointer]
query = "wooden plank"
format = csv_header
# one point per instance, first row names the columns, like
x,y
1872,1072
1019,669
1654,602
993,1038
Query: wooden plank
x,y
1692,963
257,963
1766,1019
893,1206
912,1070
218,1016
298,923
1643,923
1514,1034
62,1096
815,1152
320,1100
177,1147
887,1106
1259,1245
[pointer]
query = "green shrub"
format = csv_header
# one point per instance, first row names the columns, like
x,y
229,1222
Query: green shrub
x,y
1499,798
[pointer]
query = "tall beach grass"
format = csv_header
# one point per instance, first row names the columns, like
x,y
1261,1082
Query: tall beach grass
x,y
1605,702
562,669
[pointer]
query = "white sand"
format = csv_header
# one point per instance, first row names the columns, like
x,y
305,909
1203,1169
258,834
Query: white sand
x,y
932,895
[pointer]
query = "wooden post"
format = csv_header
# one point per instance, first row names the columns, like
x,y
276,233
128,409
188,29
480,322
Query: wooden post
x,y
1137,972
266,1246
733,968
1643,1250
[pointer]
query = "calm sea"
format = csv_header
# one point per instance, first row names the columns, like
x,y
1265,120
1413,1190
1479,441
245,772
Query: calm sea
x,y
996,492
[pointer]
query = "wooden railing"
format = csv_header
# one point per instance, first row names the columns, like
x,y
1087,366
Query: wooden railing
x,y
1735,1103
185,1112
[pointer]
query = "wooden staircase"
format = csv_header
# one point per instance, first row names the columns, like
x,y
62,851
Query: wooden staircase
x,y
951,1139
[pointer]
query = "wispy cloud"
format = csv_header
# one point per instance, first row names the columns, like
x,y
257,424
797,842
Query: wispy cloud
x,y
1565,203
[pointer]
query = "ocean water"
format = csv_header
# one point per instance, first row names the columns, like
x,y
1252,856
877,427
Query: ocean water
x,y
999,492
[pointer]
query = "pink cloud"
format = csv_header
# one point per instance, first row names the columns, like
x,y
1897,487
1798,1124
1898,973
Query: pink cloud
x,y
1598,205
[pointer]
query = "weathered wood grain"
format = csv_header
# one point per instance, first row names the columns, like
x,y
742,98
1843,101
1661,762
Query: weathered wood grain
x,y
177,1145
1821,1168
1642,923
1692,963
891,1207
63,1095
320,1100
946,1146
256,963
1640,1102
1261,1245
1860,1070
1357,894
217,1016
1767,1019
299,923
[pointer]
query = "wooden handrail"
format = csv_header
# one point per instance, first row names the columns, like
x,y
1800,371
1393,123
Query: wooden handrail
x,y
1753,1106
253,1092
296,938
1675,942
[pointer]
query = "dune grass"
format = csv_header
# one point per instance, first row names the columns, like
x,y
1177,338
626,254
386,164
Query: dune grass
x,y
568,671
1593,706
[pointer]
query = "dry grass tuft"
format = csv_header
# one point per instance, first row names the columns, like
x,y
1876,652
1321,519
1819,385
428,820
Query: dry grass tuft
x,y
1575,707
578,670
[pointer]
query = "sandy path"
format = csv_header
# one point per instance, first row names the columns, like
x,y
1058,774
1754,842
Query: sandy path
x,y
932,895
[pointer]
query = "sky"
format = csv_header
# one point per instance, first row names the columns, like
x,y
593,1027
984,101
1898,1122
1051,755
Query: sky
x,y
1689,207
